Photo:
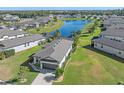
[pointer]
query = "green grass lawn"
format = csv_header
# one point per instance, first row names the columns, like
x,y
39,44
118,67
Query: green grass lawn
x,y
51,26
74,19
91,66
9,67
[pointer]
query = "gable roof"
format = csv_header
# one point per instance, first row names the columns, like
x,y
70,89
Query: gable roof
x,y
114,32
56,51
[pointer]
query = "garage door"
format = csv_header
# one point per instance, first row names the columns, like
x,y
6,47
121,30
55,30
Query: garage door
x,y
49,66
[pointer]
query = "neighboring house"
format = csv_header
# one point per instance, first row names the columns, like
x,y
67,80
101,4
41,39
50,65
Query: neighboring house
x,y
10,34
77,16
115,34
116,27
9,17
32,23
113,20
22,43
110,46
112,40
51,16
3,27
54,54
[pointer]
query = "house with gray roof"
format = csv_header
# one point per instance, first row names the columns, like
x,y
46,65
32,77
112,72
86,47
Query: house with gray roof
x,y
116,34
111,46
112,40
6,34
54,55
113,20
32,23
8,17
22,43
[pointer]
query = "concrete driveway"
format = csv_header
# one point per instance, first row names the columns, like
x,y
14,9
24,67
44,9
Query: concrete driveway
x,y
45,77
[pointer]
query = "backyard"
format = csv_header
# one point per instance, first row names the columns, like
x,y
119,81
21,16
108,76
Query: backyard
x,y
91,66
9,67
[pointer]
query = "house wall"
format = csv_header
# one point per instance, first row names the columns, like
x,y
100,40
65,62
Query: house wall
x,y
25,46
67,53
109,50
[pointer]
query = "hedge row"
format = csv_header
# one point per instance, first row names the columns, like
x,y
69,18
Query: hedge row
x,y
7,53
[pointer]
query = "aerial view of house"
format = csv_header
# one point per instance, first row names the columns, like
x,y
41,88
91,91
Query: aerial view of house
x,y
62,47
53,55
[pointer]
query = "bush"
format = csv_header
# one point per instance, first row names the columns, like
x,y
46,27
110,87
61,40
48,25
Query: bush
x,y
59,72
2,55
9,53
14,80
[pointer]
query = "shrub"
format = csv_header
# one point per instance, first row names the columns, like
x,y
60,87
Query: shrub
x,y
9,53
59,72
2,55
22,73
14,80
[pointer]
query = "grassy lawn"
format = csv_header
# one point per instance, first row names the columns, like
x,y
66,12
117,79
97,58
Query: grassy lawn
x,y
73,18
51,26
9,67
91,66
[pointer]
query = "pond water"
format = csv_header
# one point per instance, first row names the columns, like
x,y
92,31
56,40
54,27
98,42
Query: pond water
x,y
72,26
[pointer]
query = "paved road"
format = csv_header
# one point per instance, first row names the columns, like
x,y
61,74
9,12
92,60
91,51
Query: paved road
x,y
46,77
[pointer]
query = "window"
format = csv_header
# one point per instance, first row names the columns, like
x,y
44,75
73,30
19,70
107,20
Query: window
x,y
25,45
119,52
28,44
101,46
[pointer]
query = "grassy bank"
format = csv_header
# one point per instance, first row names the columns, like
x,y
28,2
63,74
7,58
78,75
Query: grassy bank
x,y
51,26
73,18
9,67
91,66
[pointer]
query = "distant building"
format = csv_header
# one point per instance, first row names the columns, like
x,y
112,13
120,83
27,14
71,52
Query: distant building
x,y
6,34
34,23
8,17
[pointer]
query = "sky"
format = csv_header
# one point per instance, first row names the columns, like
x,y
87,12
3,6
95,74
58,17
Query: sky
x,y
59,8
61,3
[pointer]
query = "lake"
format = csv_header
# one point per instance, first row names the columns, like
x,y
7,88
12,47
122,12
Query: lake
x,y
72,26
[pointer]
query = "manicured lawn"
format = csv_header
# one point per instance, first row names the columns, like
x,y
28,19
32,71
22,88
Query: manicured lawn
x,y
91,66
51,26
9,67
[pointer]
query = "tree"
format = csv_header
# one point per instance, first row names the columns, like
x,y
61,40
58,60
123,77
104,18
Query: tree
x,y
56,34
76,41
59,72
22,73
55,19
2,55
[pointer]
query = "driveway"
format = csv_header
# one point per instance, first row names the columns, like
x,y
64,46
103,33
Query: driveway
x,y
45,77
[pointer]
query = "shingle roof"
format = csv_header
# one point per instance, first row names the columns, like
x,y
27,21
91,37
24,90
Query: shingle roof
x,y
19,41
111,43
117,26
114,32
7,32
41,20
56,51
